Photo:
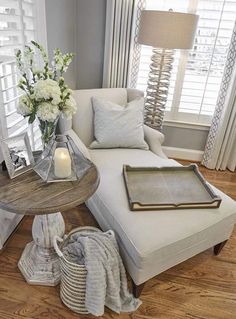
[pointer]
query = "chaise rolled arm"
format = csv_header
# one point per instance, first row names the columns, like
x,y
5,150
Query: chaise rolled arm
x,y
83,149
65,127
154,139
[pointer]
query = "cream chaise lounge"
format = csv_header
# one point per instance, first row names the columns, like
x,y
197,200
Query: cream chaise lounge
x,y
150,241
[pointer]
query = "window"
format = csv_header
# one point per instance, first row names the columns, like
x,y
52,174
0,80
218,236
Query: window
x,y
19,21
197,73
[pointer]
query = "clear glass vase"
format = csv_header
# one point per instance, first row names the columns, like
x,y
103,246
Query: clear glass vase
x,y
48,131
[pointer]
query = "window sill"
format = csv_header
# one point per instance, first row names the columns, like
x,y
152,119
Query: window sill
x,y
193,126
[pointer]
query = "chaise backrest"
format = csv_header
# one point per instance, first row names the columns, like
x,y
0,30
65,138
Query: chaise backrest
x,y
82,122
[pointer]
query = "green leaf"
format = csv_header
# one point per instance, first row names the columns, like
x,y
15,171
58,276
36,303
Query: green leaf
x,y
31,118
18,53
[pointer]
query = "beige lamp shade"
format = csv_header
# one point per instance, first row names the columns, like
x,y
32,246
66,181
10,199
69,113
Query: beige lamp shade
x,y
167,29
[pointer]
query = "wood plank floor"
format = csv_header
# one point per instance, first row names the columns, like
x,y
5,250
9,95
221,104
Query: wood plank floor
x,y
204,287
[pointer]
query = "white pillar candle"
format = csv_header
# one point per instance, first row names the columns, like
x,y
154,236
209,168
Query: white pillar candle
x,y
62,162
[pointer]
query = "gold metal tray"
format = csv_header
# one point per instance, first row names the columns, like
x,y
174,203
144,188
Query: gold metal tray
x,y
153,188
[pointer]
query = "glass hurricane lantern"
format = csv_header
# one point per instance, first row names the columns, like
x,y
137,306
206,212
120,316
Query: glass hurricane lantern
x,y
61,161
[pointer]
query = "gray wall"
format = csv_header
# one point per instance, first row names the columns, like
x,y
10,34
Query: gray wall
x,y
188,138
61,17
79,26
91,21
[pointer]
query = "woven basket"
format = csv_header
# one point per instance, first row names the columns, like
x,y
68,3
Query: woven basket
x,y
73,276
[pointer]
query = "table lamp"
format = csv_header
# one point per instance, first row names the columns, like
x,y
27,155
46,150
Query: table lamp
x,y
164,31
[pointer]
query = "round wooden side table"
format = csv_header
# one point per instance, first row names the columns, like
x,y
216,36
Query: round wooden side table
x,y
27,194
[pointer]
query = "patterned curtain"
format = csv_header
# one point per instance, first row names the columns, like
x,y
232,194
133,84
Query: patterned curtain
x,y
135,52
220,151
122,20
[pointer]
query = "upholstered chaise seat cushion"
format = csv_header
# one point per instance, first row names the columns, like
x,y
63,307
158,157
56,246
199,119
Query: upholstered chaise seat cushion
x,y
150,241
153,241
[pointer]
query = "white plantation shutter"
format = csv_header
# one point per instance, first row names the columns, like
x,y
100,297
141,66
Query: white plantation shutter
x,y
13,123
17,24
20,22
197,74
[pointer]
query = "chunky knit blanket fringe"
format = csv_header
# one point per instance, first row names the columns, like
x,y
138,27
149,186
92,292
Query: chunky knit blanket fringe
x,y
106,283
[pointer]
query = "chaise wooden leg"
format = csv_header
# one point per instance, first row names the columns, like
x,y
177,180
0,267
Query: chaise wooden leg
x,y
137,289
219,247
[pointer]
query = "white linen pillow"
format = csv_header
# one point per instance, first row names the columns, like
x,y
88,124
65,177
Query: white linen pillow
x,y
118,126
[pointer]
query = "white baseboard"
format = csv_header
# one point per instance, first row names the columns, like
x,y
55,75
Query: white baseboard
x,y
183,153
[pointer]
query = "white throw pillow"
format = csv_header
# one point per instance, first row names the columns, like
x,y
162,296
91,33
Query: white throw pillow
x,y
118,126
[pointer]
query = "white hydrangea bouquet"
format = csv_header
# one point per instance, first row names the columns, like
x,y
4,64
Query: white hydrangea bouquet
x,y
46,96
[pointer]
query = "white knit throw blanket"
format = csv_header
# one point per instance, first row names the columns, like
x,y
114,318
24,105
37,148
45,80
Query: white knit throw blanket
x,y
106,282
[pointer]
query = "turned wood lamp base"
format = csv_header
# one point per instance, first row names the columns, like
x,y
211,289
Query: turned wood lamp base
x,y
39,263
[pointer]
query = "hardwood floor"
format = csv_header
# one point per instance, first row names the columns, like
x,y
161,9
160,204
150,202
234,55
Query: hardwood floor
x,y
204,287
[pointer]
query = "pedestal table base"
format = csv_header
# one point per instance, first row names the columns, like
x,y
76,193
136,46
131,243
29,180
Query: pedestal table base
x,y
39,263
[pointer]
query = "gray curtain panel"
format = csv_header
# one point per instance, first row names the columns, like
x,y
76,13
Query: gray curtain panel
x,y
220,150
122,21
